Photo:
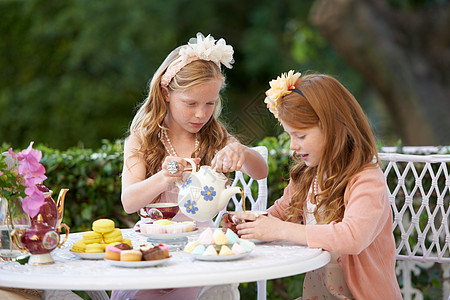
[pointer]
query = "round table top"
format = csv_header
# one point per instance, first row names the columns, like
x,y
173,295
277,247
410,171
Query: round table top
x,y
266,261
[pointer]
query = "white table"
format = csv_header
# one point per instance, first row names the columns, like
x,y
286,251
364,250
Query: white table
x,y
266,261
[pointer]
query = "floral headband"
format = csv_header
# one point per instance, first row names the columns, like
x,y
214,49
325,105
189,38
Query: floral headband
x,y
279,88
200,48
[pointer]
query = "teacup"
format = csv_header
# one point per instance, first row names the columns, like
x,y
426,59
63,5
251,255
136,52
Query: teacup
x,y
156,211
231,219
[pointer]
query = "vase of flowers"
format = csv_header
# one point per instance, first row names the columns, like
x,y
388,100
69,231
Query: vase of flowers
x,y
20,197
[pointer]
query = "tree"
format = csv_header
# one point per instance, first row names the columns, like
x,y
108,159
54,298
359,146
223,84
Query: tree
x,y
403,52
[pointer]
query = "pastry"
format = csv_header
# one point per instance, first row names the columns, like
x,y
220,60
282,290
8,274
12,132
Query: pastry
x,y
79,246
115,243
188,226
165,249
91,237
206,237
219,243
103,225
247,245
130,255
128,242
163,222
154,253
237,249
219,237
145,246
231,236
224,250
113,236
190,246
112,253
198,250
210,251
123,246
175,228
95,248
153,228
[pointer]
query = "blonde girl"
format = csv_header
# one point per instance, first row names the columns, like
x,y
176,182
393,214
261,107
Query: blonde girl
x,y
178,119
336,198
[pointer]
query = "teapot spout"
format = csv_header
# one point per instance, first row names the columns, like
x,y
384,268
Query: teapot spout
x,y
60,205
226,195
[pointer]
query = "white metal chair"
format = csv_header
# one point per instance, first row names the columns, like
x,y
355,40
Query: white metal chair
x,y
255,193
419,193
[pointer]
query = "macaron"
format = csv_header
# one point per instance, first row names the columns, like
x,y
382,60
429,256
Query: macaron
x,y
91,237
103,225
95,248
127,241
79,246
113,236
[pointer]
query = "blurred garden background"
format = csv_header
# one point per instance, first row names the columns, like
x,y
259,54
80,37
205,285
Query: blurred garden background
x,y
73,72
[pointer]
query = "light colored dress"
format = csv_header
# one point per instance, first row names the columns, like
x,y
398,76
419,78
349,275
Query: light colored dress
x,y
327,282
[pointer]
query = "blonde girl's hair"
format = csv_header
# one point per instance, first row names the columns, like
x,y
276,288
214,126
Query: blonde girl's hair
x,y
149,119
349,147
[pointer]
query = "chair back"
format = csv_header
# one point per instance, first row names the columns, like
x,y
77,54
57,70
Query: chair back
x,y
419,194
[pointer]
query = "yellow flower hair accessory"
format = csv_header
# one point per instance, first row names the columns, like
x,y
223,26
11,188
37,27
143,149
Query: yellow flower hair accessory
x,y
279,88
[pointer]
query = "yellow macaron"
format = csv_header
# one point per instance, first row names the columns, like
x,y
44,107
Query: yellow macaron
x,y
79,246
91,237
114,243
128,242
103,225
95,248
113,236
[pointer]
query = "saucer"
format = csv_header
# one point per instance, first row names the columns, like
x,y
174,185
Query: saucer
x,y
136,264
220,257
99,255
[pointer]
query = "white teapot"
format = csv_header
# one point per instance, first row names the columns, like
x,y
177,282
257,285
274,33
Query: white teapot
x,y
203,195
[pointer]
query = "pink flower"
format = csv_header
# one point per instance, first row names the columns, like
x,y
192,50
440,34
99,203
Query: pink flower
x,y
33,173
33,202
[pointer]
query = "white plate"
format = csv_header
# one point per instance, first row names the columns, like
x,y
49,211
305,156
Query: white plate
x,y
168,236
220,257
136,264
100,255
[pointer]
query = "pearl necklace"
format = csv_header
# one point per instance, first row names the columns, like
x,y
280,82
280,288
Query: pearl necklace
x,y
316,186
170,149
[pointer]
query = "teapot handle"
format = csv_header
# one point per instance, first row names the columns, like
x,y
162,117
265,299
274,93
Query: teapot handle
x,y
193,164
67,233
16,236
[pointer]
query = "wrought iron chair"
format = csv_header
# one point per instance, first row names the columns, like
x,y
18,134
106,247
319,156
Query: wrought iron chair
x,y
419,193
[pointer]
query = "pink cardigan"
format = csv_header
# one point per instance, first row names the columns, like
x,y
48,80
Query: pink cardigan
x,y
363,238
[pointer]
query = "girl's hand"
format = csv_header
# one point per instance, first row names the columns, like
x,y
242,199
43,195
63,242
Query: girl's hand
x,y
263,228
230,158
225,223
173,167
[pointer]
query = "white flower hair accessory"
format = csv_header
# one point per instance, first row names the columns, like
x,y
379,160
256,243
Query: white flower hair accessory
x,y
200,48
279,88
